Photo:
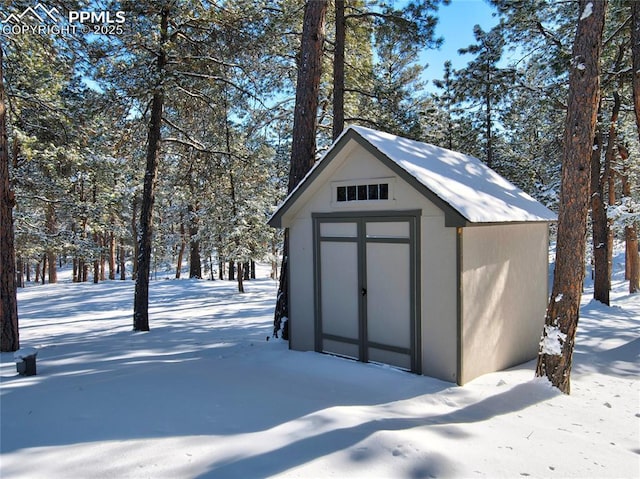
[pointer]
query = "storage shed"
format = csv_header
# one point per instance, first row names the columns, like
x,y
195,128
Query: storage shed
x,y
408,254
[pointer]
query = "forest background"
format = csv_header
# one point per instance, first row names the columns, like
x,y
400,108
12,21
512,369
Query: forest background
x,y
79,104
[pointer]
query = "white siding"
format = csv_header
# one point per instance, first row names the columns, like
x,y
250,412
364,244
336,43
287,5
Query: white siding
x,y
504,283
361,166
439,299
301,303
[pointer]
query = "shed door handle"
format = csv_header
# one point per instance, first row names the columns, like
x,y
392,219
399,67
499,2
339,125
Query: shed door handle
x,y
363,291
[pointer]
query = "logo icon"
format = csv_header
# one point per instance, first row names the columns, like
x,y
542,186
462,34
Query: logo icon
x,y
39,13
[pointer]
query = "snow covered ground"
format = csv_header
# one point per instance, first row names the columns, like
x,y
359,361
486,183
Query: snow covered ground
x,y
205,395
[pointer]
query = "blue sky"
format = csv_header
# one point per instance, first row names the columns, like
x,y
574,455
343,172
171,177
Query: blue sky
x,y
455,25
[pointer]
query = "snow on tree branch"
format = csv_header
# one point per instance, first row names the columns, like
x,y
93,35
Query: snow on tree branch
x,y
625,213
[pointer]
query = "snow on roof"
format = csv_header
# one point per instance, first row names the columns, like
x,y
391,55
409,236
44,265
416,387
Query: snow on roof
x,y
462,182
469,186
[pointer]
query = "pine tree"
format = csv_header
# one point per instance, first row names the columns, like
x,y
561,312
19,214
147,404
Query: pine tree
x,y
483,84
631,231
555,357
338,69
46,142
531,140
141,299
539,37
303,147
397,101
445,103
9,334
616,61
635,53
383,93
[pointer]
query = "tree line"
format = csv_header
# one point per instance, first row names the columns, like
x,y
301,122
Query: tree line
x,y
172,137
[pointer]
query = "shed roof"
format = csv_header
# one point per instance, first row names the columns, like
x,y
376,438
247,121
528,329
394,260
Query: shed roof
x,y
465,188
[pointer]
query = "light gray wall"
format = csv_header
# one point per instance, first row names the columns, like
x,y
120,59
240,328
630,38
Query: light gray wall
x,y
504,287
301,305
439,299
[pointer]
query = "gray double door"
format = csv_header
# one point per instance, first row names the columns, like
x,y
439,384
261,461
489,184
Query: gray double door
x,y
366,287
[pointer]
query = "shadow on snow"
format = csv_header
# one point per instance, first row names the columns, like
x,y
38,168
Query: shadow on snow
x,y
206,368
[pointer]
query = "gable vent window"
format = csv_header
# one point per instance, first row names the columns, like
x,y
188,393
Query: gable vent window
x,y
363,192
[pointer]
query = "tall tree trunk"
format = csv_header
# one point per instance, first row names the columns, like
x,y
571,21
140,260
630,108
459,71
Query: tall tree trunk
x,y
123,272
635,53
632,256
274,261
51,228
9,335
246,268
134,234
141,299
96,261
561,321
281,315
338,70
96,271
609,178
20,272
303,147
240,277
112,253
103,257
195,263
599,225
181,248
631,232
231,276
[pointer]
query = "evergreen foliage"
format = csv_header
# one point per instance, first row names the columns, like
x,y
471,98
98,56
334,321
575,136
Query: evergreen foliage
x,y
78,108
